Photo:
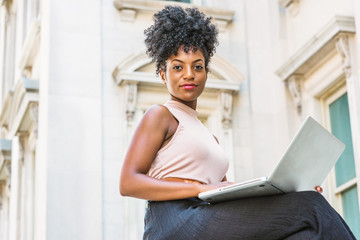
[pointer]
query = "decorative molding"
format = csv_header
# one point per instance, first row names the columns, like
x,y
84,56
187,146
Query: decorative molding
x,y
131,99
132,62
8,5
6,110
129,8
317,48
127,15
342,46
291,6
33,114
22,146
20,119
2,186
30,49
226,109
294,85
285,3
149,79
5,160
126,72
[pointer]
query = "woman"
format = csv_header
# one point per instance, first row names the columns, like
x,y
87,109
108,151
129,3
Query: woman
x,y
173,157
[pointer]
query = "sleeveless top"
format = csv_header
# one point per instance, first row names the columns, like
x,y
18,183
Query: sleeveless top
x,y
192,153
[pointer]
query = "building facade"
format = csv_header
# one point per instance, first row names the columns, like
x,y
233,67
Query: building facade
x,y
75,81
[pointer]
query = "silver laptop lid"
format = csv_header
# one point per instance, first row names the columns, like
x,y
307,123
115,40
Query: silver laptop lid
x,y
308,159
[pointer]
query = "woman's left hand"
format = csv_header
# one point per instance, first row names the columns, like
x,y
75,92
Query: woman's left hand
x,y
319,189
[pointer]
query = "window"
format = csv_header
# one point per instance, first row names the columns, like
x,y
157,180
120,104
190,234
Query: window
x,y
345,179
195,2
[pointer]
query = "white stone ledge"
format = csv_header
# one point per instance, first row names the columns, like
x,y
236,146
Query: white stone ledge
x,y
129,8
319,46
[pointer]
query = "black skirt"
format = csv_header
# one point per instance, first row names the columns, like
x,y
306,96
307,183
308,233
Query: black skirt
x,y
301,215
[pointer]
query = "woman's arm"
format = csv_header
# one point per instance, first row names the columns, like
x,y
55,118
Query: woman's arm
x,y
152,131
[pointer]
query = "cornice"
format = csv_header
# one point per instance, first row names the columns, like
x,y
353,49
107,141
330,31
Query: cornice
x,y
126,72
30,48
320,45
26,93
129,8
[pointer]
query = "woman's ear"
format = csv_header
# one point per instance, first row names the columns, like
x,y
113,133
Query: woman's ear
x,y
163,76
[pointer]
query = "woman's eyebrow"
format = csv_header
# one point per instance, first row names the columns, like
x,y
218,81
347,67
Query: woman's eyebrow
x,y
198,60
177,60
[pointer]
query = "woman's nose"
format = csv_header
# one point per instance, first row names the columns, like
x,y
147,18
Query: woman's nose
x,y
188,72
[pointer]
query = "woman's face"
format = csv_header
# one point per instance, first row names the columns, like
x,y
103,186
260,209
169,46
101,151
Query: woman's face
x,y
185,76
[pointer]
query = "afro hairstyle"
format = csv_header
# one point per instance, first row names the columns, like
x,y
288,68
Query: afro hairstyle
x,y
175,27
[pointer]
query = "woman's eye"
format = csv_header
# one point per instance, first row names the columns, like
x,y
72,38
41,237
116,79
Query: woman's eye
x,y
199,67
177,67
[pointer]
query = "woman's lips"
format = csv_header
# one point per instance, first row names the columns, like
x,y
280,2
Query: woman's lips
x,y
188,86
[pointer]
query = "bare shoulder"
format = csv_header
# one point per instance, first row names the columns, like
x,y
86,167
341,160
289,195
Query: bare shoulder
x,y
157,116
158,112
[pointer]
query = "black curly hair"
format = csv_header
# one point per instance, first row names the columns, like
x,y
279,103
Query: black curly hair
x,y
174,27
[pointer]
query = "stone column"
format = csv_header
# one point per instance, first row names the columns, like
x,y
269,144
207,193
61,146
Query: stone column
x,y
3,210
14,226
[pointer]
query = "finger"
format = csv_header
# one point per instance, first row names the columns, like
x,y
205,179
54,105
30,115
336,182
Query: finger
x,y
319,189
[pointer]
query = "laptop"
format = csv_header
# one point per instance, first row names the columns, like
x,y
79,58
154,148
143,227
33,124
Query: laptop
x,y
305,164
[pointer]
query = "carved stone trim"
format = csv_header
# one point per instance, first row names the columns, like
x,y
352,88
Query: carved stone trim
x,y
129,8
6,110
26,92
5,162
126,72
23,139
30,49
317,48
131,99
226,109
33,116
342,46
7,4
33,111
291,6
294,85
127,15
2,186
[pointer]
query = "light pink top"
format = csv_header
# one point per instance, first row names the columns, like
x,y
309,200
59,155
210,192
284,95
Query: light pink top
x,y
192,152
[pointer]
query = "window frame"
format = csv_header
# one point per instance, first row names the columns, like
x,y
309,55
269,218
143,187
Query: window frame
x,y
335,192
